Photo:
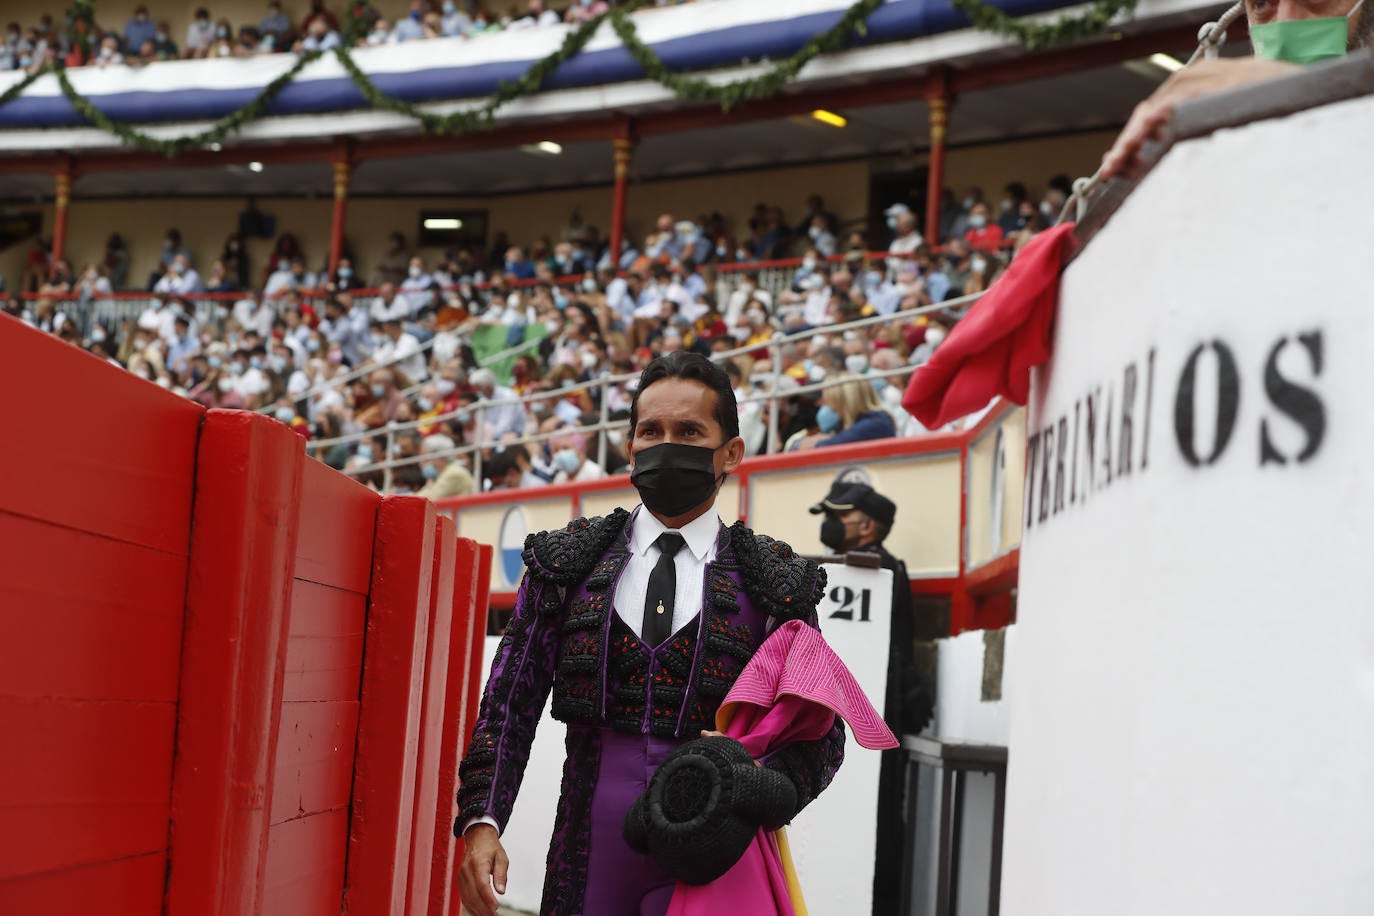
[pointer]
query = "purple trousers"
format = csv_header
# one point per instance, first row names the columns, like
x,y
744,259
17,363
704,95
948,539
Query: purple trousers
x,y
620,881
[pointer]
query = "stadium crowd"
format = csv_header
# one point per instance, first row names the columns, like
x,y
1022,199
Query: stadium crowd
x,y
424,358
145,38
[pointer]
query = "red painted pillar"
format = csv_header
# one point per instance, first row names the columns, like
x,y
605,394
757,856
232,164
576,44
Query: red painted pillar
x,y
242,562
939,100
343,170
624,145
61,199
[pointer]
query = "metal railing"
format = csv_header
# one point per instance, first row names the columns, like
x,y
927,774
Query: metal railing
x,y
603,384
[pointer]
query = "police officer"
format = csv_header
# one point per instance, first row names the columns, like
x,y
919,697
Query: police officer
x,y
858,518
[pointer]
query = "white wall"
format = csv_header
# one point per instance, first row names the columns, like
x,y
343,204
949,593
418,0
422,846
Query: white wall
x,y
961,715
1194,687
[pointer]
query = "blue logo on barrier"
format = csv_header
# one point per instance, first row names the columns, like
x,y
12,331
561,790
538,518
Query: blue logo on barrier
x,y
512,544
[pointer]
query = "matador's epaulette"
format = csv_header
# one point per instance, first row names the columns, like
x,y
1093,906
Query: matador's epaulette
x,y
787,585
564,556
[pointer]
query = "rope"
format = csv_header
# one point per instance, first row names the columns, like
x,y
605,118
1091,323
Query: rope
x,y
1210,38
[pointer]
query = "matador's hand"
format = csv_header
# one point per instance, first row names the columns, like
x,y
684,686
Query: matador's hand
x,y
484,864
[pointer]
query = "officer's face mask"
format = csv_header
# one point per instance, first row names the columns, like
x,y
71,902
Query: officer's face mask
x,y
1303,41
834,533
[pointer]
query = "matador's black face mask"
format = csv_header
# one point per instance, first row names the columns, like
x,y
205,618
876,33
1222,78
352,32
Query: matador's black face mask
x,y
674,479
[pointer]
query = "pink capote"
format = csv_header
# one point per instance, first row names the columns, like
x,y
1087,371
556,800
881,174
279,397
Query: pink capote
x,y
791,690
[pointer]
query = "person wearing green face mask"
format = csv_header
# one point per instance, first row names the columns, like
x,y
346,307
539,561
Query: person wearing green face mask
x,y
1307,40
1286,34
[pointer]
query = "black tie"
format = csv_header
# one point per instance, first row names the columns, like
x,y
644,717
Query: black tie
x,y
658,603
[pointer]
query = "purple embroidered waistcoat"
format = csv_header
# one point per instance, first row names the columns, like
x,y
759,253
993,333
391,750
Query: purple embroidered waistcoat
x,y
566,637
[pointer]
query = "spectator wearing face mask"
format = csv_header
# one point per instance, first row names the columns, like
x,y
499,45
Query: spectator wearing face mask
x,y
445,475
747,290
983,235
181,279
386,400
454,21
164,48
905,239
411,28
570,460
109,55
418,288
429,405
200,34
275,23
139,28
924,341
93,285
223,43
822,239
344,278
290,275
252,381
806,270
850,412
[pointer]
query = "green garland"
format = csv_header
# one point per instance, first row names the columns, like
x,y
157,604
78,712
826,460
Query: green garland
x,y
358,20
1035,36
220,130
761,86
727,95
14,91
466,121
81,27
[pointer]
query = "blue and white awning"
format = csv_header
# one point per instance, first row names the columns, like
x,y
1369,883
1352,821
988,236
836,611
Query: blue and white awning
x,y
722,39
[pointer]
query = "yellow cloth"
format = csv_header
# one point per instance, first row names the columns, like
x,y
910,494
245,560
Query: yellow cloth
x,y
794,890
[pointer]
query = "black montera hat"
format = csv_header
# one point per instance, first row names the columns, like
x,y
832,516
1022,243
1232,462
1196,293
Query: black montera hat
x,y
703,807
845,496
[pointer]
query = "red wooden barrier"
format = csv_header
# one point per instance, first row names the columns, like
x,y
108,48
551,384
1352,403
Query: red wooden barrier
x,y
191,725
462,632
320,698
243,550
476,668
95,515
432,714
477,649
382,818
